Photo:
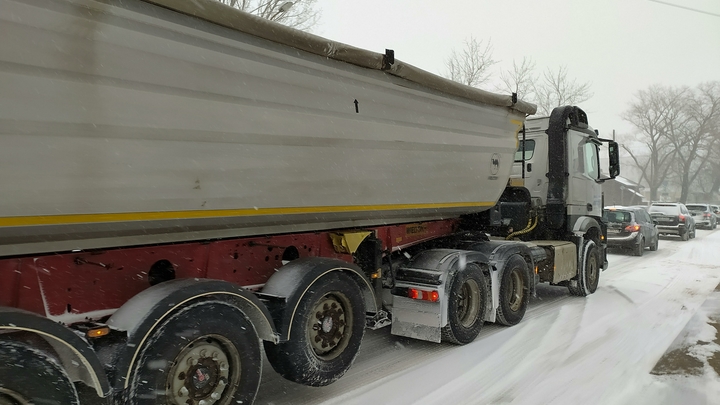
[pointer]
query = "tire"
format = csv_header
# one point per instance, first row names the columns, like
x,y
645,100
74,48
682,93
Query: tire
x,y
30,376
466,306
694,232
514,291
685,236
639,248
654,246
588,276
207,351
325,333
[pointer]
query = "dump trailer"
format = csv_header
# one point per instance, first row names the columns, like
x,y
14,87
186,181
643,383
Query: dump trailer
x,y
183,182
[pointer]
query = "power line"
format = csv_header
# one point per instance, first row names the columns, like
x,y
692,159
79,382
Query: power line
x,y
686,8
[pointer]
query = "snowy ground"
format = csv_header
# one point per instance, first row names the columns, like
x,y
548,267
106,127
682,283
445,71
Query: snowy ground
x,y
568,350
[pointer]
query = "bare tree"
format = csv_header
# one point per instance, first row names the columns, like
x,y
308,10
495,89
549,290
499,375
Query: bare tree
x,y
555,88
692,131
519,80
300,14
648,114
679,128
471,65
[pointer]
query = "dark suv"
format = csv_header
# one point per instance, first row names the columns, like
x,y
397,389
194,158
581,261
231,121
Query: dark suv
x,y
673,219
630,228
703,215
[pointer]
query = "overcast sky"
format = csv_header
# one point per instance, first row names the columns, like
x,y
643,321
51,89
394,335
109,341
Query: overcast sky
x,y
620,46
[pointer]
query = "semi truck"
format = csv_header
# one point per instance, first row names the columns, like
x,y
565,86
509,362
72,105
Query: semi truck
x,y
186,186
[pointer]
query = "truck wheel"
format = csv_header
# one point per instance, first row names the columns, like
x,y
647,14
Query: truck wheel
x,y
514,292
639,248
30,376
325,333
207,353
588,276
466,306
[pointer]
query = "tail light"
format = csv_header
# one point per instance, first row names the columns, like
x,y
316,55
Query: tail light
x,y
706,215
681,217
632,228
432,296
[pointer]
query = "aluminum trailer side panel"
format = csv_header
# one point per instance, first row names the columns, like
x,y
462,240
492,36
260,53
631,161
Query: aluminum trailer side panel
x,y
124,123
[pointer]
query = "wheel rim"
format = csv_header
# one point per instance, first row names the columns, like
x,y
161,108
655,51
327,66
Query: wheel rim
x,y
515,292
468,303
592,269
203,371
9,397
329,325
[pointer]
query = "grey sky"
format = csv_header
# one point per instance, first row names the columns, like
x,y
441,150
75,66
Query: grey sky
x,y
621,46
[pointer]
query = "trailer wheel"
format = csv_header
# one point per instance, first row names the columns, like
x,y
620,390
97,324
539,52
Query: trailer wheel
x,y
207,353
466,306
30,376
588,276
325,333
514,292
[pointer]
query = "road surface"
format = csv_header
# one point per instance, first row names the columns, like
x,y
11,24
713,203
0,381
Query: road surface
x,y
644,337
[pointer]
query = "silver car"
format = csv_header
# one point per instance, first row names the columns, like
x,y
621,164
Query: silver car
x,y
703,215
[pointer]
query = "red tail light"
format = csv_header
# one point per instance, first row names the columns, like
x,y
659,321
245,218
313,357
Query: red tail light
x,y
706,215
432,296
681,217
632,228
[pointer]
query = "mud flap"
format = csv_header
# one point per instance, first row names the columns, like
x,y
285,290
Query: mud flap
x,y
417,319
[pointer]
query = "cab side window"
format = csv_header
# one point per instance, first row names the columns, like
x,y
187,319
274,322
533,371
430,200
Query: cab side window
x,y
591,160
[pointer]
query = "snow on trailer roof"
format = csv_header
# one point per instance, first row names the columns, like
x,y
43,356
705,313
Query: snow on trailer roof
x,y
229,17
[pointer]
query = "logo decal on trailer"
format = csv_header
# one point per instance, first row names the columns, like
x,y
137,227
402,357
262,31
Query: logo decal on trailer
x,y
494,166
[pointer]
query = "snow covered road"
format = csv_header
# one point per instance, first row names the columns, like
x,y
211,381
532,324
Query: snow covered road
x,y
568,350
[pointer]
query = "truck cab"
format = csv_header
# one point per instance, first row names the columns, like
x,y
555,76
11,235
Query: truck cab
x,y
558,162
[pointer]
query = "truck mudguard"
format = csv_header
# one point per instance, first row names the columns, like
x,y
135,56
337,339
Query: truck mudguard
x,y
447,262
498,252
143,313
75,354
294,279
584,224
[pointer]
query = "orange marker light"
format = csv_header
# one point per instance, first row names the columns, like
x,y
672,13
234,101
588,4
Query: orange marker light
x,y
98,332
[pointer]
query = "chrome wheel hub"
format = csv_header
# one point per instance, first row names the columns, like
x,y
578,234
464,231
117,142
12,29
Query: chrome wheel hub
x,y
202,371
329,326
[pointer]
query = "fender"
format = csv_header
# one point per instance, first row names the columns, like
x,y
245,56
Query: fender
x,y
294,279
447,263
143,313
71,349
583,224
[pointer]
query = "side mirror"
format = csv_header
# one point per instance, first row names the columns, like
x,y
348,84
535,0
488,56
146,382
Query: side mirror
x,y
613,169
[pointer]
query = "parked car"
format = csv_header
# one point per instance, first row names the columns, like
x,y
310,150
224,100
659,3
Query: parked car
x,y
673,219
703,215
630,228
716,210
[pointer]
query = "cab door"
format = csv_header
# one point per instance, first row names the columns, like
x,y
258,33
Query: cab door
x,y
585,193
